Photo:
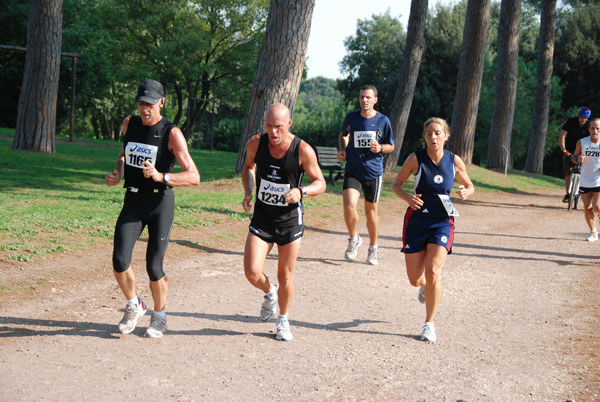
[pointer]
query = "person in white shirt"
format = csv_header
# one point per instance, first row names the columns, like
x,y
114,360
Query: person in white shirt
x,y
587,153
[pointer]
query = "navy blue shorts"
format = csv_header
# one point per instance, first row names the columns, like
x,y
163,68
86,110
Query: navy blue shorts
x,y
419,232
280,235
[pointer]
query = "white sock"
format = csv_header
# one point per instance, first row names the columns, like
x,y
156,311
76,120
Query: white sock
x,y
355,238
161,314
283,317
133,302
272,291
373,247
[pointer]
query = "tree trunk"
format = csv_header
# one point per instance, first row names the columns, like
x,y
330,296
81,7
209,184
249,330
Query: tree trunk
x,y
415,43
507,74
280,65
537,144
36,118
470,74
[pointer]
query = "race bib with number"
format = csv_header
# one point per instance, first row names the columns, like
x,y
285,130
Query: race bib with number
x,y
136,154
362,139
273,193
448,205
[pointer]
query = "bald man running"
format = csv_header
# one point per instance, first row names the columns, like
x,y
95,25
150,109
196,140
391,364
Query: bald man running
x,y
280,159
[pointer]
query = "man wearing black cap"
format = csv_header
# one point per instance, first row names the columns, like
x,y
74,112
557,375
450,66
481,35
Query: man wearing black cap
x,y
151,144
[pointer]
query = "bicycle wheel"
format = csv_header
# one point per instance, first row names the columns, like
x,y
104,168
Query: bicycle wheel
x,y
574,191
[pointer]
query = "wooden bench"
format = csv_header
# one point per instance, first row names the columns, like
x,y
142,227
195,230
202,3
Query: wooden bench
x,y
327,157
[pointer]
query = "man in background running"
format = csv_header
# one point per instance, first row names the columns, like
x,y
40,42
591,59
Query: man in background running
x,y
366,135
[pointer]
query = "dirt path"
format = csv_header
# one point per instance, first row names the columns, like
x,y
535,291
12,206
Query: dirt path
x,y
519,319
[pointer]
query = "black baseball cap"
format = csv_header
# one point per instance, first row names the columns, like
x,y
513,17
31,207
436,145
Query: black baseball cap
x,y
150,91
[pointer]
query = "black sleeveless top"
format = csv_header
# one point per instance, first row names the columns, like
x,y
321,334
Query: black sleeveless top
x,y
274,177
147,142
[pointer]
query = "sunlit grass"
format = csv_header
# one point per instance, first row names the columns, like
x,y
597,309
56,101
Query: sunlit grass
x,y
56,203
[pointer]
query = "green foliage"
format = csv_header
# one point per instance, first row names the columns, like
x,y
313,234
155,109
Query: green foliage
x,y
319,112
50,201
374,56
226,136
123,42
578,56
13,31
523,118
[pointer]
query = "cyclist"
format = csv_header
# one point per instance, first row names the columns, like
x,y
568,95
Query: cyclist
x,y
574,129
587,152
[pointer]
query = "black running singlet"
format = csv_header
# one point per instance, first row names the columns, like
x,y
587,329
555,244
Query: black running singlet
x,y
143,143
274,177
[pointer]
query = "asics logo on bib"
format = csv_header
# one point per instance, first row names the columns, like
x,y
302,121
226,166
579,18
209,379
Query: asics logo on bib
x,y
269,187
140,150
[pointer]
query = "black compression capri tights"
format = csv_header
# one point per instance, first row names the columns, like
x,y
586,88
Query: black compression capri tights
x,y
145,208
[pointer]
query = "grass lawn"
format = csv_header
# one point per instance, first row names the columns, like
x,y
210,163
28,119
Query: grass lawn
x,y
58,202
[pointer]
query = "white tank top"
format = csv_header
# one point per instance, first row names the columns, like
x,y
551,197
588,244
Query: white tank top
x,y
590,173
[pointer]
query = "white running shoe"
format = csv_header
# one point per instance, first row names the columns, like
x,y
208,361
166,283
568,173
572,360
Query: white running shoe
x,y
428,332
373,256
157,328
283,330
593,236
269,305
421,295
352,249
132,314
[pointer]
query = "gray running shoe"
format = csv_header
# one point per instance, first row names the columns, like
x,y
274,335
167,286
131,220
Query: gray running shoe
x,y
129,321
269,305
422,295
428,332
283,330
352,248
157,328
372,258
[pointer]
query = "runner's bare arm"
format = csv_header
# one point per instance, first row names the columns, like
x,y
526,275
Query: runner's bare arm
x,y
113,178
411,165
248,171
178,147
310,164
342,144
466,187
577,157
189,175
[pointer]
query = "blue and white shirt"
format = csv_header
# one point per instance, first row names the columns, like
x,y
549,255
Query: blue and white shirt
x,y
360,161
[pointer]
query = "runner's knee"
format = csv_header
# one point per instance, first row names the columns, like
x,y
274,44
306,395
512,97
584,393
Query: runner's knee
x,y
155,272
120,262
